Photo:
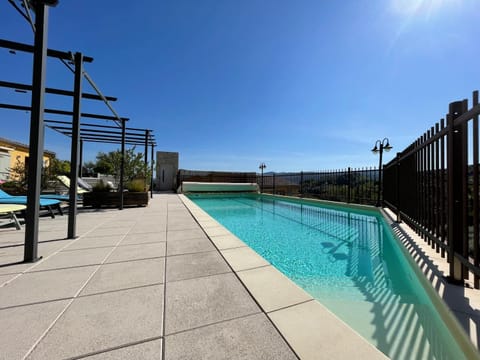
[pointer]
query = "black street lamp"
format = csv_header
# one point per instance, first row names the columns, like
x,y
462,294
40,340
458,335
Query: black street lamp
x,y
380,146
261,167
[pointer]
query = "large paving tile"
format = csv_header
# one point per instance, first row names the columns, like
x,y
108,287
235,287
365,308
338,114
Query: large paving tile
x,y
44,285
176,216
148,228
126,275
144,238
5,278
116,224
243,258
182,225
109,231
272,289
189,246
248,338
195,265
11,251
100,322
52,235
13,264
66,259
45,248
178,235
151,219
134,252
48,247
311,329
175,205
23,325
203,301
94,242
150,350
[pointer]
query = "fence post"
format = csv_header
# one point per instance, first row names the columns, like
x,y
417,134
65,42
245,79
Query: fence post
x,y
301,183
273,180
456,147
398,192
349,189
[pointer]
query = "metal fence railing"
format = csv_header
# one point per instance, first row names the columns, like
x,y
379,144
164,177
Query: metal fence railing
x,y
215,176
433,185
348,185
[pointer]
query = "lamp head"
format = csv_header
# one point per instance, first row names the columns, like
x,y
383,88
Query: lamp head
x,y
387,147
375,149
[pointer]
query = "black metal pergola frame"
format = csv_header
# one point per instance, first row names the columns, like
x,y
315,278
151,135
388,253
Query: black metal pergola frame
x,y
37,121
113,135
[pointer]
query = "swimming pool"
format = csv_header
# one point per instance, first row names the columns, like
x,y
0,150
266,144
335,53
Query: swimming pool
x,y
349,261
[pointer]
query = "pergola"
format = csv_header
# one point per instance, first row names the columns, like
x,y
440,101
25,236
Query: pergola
x,y
109,134
77,131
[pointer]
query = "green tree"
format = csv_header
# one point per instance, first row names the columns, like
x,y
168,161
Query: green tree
x,y
134,165
88,168
19,173
55,167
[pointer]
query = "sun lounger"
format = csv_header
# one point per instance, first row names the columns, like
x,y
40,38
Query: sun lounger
x,y
82,188
22,200
55,197
10,209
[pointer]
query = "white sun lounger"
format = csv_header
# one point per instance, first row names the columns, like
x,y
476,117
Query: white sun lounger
x,y
10,209
66,182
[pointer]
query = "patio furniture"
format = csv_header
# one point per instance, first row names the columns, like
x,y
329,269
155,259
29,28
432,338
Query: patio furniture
x,y
9,209
22,200
82,187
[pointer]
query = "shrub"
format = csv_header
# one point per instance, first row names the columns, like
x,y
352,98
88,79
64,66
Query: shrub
x,y
102,186
13,187
136,185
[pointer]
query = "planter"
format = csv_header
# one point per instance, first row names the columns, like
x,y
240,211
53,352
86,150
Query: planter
x,y
99,199
14,190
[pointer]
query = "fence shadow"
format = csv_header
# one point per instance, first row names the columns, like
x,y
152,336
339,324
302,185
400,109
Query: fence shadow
x,y
455,296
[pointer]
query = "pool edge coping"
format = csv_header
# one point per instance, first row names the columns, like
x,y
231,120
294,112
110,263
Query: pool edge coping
x,y
303,349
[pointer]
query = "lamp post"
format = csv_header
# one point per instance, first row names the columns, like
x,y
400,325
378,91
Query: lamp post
x,y
380,146
261,167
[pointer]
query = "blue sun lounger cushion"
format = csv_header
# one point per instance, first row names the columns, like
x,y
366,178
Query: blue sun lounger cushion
x,y
22,200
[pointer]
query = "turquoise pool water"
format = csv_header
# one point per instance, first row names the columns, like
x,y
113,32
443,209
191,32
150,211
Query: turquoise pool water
x,y
349,261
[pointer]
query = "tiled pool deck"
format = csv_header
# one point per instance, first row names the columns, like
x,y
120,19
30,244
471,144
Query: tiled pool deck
x,y
157,283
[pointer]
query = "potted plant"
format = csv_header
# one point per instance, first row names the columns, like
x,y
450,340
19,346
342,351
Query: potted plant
x,y
102,194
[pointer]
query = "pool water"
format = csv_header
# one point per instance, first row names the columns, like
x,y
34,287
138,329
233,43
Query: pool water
x,y
349,261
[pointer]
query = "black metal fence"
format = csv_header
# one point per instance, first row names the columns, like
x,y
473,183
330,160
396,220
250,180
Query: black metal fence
x,y
433,185
349,185
215,176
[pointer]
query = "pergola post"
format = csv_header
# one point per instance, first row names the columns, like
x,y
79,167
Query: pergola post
x,y
151,172
80,161
147,133
75,156
36,132
122,164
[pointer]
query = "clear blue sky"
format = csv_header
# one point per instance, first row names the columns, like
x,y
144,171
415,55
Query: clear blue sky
x,y
299,85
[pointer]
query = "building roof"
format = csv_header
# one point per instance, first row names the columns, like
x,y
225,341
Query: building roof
x,y
25,146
